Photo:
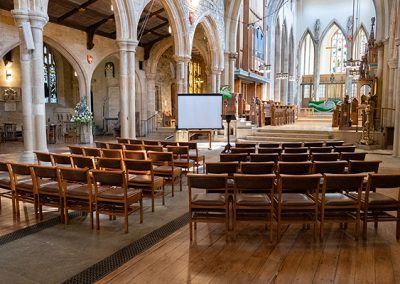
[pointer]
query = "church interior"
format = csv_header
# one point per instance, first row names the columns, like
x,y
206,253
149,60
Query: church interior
x,y
199,141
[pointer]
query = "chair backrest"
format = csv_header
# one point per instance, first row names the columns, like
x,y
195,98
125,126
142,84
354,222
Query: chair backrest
x,y
326,149
151,142
383,181
356,167
342,182
313,144
246,150
179,151
169,143
93,152
4,167
350,148
20,172
122,140
111,153
136,141
245,183
269,145
245,145
296,150
80,175
298,184
110,178
136,166
161,157
136,155
222,168
101,145
257,168
62,160
324,156
191,145
295,168
110,164
347,156
292,144
154,148
116,146
334,143
294,157
134,147
331,167
83,162
238,157
44,158
47,172
207,181
273,157
76,150
262,150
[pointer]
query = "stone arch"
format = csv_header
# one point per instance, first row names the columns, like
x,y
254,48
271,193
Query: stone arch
x,y
291,68
306,33
328,28
125,21
277,58
156,52
9,47
232,9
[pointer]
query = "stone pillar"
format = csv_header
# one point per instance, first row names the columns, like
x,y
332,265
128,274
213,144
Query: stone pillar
x,y
123,86
131,50
214,74
316,77
232,66
38,21
26,91
396,143
151,93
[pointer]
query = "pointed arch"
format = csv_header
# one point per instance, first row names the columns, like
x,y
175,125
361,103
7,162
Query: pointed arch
x,y
306,54
360,42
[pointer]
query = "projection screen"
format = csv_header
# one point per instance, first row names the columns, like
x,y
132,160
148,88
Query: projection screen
x,y
199,111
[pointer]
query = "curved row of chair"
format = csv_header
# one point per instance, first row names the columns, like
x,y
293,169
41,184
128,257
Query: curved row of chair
x,y
298,150
289,144
285,199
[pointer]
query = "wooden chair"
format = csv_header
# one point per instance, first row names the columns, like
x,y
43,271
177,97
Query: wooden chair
x,y
83,162
153,148
134,147
365,167
325,149
207,207
273,157
245,150
151,142
294,157
110,164
135,141
347,156
331,167
194,154
350,148
101,145
245,145
113,197
135,155
252,200
257,168
116,146
269,145
313,144
61,160
292,144
48,189
23,187
295,200
229,168
77,191
334,143
294,168
324,157
44,158
123,140
5,184
93,152
76,150
169,143
296,150
378,206
112,153
238,157
140,175
262,150
165,167
335,205
181,157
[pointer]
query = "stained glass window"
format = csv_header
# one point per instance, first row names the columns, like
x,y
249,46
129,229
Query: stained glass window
x,y
338,52
50,76
195,77
360,44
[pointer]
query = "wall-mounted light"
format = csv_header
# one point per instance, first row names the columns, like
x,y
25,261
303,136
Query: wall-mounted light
x,y
112,7
169,30
8,75
75,74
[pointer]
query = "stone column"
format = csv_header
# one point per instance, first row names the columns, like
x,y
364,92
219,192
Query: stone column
x,y
131,50
218,77
151,93
316,77
26,91
214,73
396,143
123,86
38,21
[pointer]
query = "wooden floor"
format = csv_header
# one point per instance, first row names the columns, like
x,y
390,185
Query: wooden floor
x,y
251,258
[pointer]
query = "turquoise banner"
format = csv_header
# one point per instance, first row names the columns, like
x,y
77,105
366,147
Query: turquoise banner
x,y
324,106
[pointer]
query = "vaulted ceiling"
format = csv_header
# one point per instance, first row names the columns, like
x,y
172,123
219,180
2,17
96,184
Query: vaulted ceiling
x,y
96,17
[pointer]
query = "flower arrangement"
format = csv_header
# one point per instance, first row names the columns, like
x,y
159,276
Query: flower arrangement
x,y
82,114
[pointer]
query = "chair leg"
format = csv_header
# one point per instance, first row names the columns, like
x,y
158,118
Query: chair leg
x,y
398,225
180,182
365,224
357,224
321,226
97,218
173,181
141,210
191,229
152,200
163,194
126,217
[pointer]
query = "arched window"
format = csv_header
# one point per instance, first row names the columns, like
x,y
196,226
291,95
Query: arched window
x,y
338,52
360,44
50,76
259,43
307,56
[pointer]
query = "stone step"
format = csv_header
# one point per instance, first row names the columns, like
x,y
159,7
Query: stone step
x,y
294,135
290,131
255,139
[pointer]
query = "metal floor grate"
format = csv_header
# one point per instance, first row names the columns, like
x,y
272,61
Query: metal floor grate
x,y
114,261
